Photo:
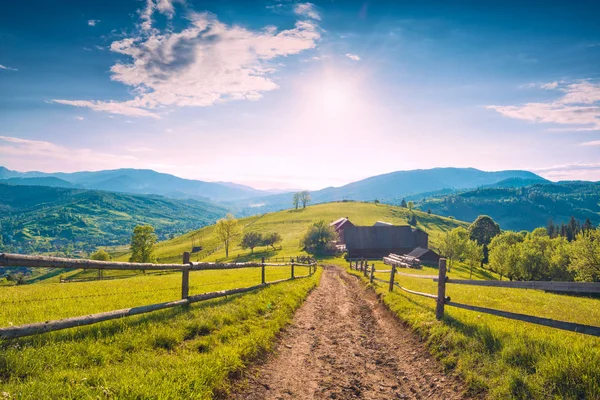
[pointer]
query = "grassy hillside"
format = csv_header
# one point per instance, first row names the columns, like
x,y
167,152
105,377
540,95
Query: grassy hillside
x,y
501,358
523,208
39,218
179,353
292,224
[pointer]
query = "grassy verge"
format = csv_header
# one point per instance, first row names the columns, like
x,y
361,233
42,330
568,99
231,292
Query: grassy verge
x,y
179,353
502,358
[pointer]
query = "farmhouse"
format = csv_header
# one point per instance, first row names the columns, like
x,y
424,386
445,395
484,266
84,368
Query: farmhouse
x,y
382,239
339,225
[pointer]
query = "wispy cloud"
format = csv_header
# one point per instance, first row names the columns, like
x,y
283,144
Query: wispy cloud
x,y
4,67
579,105
353,57
164,7
307,10
207,62
37,151
93,22
572,171
592,143
79,118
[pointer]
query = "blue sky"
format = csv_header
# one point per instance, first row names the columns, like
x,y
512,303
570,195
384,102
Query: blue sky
x,y
283,94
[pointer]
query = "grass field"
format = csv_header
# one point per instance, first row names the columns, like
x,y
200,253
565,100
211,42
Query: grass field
x,y
502,358
177,353
292,224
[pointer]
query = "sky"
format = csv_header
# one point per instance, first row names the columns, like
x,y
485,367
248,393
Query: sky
x,y
284,94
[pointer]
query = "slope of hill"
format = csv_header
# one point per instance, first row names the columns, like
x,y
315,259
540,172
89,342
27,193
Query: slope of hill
x,y
41,181
141,181
391,188
292,224
522,208
41,218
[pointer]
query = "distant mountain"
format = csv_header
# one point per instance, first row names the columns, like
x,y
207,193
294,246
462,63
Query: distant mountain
x,y
522,208
143,181
42,181
42,218
392,187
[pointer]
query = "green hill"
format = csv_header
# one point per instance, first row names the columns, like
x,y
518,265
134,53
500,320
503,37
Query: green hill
x,y
40,218
292,224
522,208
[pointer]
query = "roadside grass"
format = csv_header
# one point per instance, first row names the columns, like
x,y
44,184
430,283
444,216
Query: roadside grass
x,y
42,302
178,353
292,224
498,357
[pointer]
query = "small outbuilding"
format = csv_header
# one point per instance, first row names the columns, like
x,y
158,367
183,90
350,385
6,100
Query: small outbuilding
x,y
426,256
339,225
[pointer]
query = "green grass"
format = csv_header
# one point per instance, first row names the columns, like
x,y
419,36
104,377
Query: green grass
x,y
177,353
292,224
498,357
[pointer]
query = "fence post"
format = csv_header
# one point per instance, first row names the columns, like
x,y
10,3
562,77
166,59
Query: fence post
x,y
292,270
372,273
441,295
262,272
185,277
392,274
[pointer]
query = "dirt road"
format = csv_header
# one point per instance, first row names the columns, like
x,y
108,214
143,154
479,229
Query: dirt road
x,y
343,344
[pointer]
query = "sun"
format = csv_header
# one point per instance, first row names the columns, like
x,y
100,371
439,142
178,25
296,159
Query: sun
x,y
333,96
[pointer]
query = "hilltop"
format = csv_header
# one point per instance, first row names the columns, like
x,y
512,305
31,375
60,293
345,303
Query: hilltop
x,y
522,208
292,224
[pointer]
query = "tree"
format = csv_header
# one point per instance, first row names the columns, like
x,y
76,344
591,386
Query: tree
x,y
403,203
502,253
585,256
226,230
429,211
271,239
483,230
304,198
296,200
250,240
319,236
142,244
412,221
376,201
410,205
587,226
453,244
473,254
101,255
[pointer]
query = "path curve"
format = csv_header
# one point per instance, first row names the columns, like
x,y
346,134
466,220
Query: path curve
x,y
343,344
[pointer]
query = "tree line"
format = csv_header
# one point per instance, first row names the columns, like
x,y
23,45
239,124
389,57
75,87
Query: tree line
x,y
570,253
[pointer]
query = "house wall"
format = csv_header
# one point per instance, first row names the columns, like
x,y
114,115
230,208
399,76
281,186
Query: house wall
x,y
379,241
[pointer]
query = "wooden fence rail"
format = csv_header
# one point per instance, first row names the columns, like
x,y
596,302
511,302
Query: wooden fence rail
x,y
19,260
442,300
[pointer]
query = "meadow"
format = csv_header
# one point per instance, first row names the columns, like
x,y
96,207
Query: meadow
x,y
502,358
189,352
292,224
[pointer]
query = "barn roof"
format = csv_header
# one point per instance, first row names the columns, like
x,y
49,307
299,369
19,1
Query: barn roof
x,y
382,223
338,221
418,252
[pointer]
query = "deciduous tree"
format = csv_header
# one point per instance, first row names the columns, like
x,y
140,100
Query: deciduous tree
x,y
226,230
271,239
250,240
319,236
142,244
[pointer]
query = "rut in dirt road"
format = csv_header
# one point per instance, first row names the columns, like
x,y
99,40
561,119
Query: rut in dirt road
x,y
343,344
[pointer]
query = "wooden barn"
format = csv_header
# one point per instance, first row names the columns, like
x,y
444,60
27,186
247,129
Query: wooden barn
x,y
380,240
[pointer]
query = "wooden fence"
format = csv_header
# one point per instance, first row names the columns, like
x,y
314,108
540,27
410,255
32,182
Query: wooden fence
x,y
19,260
442,300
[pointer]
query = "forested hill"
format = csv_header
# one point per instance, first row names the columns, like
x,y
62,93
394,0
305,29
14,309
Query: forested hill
x,y
522,208
41,218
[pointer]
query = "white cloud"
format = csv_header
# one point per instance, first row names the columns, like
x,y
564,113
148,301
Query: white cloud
x,y
4,67
592,143
164,7
207,62
574,171
93,22
579,105
353,57
307,10
79,118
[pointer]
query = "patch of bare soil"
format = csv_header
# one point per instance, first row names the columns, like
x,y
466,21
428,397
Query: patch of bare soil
x,y
343,344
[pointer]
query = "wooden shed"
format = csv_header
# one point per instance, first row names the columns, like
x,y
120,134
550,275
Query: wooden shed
x,y
426,256
340,225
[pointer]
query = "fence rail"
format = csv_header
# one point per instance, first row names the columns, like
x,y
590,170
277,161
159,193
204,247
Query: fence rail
x,y
442,300
19,260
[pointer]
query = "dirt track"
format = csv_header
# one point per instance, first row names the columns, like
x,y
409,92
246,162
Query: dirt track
x,y
342,344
